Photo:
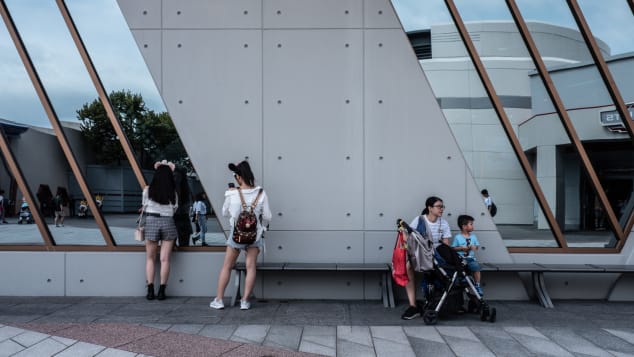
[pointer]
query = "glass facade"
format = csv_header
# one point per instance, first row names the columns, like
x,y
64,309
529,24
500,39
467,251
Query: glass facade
x,y
538,121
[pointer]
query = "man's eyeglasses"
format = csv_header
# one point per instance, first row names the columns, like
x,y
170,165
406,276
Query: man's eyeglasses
x,y
439,206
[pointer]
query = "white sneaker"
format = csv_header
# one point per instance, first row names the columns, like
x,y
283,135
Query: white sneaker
x,y
245,305
215,304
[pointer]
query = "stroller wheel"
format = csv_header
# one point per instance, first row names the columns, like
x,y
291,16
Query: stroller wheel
x,y
492,315
430,317
484,313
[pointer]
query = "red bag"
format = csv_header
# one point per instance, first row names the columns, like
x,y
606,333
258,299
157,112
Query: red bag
x,y
399,259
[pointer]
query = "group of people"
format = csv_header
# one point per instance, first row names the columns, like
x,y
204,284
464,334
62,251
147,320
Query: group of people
x,y
60,208
160,203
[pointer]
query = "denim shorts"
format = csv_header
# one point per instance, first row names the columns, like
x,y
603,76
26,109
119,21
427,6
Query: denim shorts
x,y
257,244
472,264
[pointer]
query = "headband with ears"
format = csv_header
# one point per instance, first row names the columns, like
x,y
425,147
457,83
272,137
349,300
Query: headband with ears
x,y
164,162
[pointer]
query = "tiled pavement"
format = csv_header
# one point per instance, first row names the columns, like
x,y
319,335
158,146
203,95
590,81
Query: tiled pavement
x,y
72,326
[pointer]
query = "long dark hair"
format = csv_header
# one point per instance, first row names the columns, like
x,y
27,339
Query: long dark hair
x,y
163,187
429,202
63,195
243,170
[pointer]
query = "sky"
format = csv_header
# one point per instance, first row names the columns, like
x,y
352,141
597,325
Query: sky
x,y
121,66
55,56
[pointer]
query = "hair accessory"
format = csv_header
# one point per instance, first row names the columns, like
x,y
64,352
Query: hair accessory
x,y
164,162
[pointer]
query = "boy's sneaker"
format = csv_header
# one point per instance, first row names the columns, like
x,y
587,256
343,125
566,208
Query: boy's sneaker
x,y
412,312
245,305
215,304
479,290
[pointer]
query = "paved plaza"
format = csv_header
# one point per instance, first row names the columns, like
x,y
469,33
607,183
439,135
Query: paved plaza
x,y
180,326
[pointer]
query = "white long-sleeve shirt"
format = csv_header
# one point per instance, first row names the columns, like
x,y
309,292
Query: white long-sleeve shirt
x,y
155,207
233,206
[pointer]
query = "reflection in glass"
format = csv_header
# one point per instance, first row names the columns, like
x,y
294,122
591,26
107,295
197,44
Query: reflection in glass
x,y
17,225
468,109
140,109
590,108
44,163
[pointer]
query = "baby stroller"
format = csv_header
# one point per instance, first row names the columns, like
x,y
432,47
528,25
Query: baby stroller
x,y
446,286
25,214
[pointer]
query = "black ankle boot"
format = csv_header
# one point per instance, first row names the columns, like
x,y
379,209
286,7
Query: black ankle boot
x,y
150,292
161,292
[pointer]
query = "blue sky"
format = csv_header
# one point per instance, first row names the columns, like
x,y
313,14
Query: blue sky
x,y
121,66
109,42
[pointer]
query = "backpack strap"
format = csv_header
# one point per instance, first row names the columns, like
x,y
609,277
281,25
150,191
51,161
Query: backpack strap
x,y
255,201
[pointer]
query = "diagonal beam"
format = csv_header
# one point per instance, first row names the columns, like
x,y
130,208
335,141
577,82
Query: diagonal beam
x,y
610,84
53,118
563,115
25,190
105,100
506,124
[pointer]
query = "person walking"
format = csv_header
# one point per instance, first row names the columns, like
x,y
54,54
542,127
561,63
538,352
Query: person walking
x,y
2,207
252,196
160,201
60,205
200,215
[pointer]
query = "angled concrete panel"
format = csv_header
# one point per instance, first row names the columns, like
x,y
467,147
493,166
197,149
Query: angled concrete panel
x,y
141,14
407,140
149,42
191,14
380,14
313,14
313,127
212,89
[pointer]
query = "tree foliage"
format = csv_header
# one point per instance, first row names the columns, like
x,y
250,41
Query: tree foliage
x,y
152,135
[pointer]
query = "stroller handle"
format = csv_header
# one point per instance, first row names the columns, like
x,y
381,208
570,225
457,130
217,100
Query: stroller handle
x,y
402,224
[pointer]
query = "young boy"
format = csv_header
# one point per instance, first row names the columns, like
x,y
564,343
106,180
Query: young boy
x,y
466,243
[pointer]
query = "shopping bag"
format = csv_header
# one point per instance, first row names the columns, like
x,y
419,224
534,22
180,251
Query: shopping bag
x,y
399,259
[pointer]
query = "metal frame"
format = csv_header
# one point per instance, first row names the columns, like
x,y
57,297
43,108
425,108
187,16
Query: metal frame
x,y
105,100
24,188
565,118
110,243
610,84
57,127
506,124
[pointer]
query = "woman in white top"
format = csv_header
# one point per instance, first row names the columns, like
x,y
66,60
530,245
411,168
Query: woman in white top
x,y
160,201
438,229
231,208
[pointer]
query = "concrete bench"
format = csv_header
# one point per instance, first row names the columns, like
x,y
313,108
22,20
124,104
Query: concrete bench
x,y
537,271
387,295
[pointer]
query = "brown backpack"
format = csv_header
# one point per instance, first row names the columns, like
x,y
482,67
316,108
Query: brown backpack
x,y
245,230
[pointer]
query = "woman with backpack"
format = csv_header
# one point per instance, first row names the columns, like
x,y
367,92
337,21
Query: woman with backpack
x,y
429,222
247,207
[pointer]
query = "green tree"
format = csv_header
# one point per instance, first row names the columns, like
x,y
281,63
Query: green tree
x,y
152,136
